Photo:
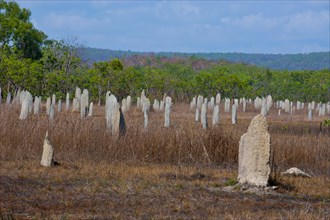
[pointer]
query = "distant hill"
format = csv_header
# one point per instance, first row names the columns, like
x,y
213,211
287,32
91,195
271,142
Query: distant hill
x,y
309,61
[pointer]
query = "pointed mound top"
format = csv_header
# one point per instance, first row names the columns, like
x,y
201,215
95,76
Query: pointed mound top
x,y
258,123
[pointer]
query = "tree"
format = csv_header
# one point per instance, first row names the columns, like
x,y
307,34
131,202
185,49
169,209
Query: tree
x,y
61,63
17,34
116,65
21,73
318,86
98,75
114,69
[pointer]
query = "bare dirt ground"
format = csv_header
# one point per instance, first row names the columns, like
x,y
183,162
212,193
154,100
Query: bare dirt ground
x,y
125,191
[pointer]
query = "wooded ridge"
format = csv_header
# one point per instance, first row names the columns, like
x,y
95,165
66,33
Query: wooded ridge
x,y
301,61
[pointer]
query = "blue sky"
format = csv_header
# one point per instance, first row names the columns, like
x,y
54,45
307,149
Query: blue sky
x,y
188,26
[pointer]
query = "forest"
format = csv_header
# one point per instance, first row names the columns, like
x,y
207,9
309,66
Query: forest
x,y
302,61
29,60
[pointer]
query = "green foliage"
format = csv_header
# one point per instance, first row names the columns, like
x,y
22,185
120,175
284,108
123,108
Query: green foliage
x,y
231,182
17,34
310,61
326,123
61,66
116,65
21,73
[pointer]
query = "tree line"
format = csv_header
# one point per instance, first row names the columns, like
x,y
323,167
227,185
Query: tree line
x,y
31,61
308,61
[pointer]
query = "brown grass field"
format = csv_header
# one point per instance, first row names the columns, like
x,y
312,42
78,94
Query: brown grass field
x,y
174,173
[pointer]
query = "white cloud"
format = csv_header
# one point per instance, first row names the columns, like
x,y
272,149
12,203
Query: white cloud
x,y
253,22
176,10
307,21
73,22
186,9
100,4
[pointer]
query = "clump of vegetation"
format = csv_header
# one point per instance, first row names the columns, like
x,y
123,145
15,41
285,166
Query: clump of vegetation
x,y
231,182
326,123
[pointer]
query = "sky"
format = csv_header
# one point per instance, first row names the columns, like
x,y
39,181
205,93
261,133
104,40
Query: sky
x,y
280,27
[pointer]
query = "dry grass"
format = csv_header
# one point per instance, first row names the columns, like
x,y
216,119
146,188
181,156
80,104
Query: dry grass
x,y
159,173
